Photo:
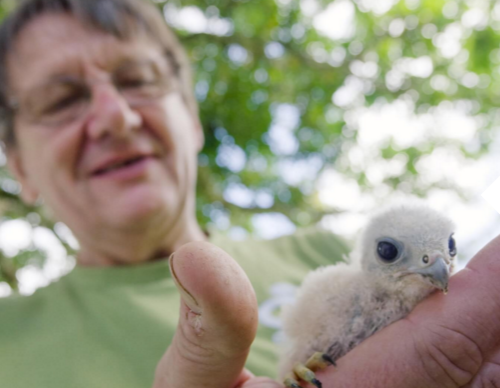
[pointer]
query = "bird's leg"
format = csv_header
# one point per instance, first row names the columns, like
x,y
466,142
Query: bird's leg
x,y
291,382
306,371
319,361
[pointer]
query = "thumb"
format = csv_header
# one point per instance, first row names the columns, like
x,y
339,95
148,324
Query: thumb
x,y
217,323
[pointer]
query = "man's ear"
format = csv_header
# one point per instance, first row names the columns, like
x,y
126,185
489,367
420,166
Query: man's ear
x,y
29,194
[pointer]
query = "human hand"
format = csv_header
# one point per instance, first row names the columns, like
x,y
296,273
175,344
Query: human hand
x,y
217,324
447,340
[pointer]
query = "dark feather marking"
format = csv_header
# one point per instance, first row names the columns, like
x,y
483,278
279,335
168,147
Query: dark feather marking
x,y
371,325
335,350
381,298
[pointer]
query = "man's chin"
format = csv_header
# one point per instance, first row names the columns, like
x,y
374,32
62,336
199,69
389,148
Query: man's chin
x,y
134,209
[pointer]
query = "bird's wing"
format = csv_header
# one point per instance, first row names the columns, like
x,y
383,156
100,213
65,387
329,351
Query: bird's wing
x,y
319,313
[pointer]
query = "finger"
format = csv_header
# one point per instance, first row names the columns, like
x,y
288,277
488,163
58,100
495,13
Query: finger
x,y
243,378
442,343
217,324
261,382
489,374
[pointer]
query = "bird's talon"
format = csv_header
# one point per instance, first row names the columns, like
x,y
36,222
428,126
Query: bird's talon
x,y
291,383
319,361
328,359
316,382
306,374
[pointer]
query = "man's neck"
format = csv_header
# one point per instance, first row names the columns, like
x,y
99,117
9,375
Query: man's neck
x,y
127,250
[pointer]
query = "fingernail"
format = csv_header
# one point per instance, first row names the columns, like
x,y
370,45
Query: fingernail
x,y
185,295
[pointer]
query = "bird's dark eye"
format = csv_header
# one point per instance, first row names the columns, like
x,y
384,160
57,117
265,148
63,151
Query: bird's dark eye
x,y
452,246
387,251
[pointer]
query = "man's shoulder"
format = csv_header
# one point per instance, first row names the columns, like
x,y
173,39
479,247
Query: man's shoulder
x,y
18,314
313,245
18,306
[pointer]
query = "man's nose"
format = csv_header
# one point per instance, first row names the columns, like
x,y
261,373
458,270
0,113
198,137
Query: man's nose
x,y
111,114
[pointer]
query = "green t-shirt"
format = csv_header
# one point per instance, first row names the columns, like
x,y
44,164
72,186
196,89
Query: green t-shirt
x,y
108,327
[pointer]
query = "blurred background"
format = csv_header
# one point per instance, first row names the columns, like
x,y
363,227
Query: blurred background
x,y
317,112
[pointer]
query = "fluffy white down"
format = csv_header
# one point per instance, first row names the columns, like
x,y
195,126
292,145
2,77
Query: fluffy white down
x,y
333,306
339,306
311,318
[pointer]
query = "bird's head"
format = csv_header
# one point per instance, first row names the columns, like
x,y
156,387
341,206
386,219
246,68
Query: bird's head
x,y
411,242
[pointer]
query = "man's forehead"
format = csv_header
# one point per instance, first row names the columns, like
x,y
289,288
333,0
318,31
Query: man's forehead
x,y
58,43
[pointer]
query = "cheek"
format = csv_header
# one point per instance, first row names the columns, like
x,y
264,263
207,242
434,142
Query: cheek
x,y
173,126
35,159
155,123
179,121
67,146
52,153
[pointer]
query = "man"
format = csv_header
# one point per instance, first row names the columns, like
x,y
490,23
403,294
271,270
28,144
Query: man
x,y
101,123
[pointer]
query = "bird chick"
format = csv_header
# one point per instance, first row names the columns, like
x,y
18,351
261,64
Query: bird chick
x,y
404,253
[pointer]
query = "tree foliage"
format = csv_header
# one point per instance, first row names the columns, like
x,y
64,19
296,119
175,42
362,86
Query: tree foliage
x,y
276,93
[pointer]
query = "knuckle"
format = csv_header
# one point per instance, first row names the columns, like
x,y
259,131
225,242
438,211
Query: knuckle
x,y
488,377
191,346
449,357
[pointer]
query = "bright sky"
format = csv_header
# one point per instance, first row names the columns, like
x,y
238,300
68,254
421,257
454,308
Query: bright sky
x,y
476,219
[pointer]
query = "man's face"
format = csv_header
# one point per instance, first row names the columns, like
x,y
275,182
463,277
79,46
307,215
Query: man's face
x,y
116,163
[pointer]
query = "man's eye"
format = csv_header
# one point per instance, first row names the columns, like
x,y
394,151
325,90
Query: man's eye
x,y
63,103
133,83
140,88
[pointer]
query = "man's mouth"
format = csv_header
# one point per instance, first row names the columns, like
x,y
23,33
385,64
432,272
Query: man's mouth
x,y
121,165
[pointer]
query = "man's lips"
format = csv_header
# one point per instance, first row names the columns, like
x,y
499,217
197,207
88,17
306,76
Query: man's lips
x,y
119,162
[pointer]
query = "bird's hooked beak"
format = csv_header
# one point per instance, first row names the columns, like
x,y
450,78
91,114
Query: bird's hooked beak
x,y
437,273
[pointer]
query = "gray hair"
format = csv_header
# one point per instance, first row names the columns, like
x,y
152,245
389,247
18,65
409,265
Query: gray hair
x,y
121,18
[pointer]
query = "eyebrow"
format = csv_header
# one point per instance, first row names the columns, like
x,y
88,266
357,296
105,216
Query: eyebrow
x,y
153,64
65,76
